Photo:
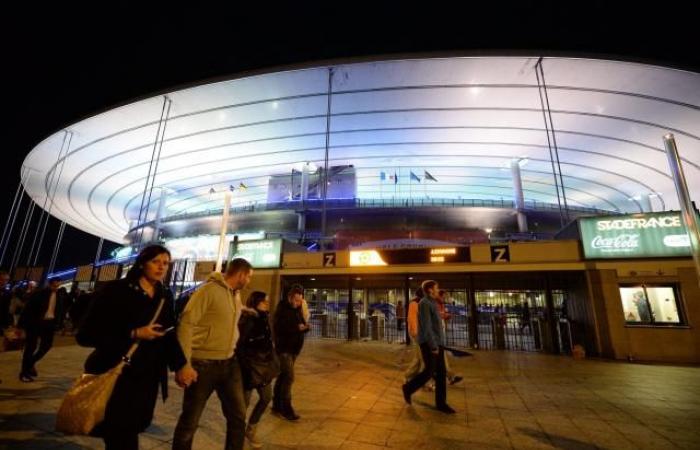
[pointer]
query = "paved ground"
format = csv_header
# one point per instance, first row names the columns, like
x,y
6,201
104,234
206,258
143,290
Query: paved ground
x,y
349,397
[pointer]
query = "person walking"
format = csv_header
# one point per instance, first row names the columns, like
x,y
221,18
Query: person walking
x,y
416,364
123,312
5,299
431,339
38,320
400,316
289,330
256,350
208,334
452,376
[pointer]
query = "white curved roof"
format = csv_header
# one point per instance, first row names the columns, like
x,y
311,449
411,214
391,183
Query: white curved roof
x,y
461,119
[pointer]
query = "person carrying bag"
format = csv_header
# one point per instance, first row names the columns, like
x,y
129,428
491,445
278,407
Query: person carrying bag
x,y
83,407
130,323
259,361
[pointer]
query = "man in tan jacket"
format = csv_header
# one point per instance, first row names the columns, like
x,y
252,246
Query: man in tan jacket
x,y
208,334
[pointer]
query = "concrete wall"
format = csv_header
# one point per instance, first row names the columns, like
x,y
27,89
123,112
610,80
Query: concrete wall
x,y
619,340
264,280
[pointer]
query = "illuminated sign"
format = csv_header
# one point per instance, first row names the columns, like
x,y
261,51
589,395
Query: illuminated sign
x,y
264,253
635,236
409,256
366,258
204,247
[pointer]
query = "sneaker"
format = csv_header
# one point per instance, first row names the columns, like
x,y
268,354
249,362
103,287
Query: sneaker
x,y
250,434
446,409
456,379
406,395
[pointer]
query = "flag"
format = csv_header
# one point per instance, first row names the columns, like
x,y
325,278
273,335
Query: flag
x,y
211,191
231,187
394,177
242,186
428,176
414,177
382,176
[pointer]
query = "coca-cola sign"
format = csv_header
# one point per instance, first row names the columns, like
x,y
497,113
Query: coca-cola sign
x,y
634,236
621,242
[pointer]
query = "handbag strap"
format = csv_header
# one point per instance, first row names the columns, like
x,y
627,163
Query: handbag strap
x,y
135,345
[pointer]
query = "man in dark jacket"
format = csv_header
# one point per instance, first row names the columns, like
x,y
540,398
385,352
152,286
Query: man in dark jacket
x,y
289,329
38,320
5,296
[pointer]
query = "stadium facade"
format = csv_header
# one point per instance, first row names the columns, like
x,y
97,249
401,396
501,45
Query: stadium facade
x,y
352,174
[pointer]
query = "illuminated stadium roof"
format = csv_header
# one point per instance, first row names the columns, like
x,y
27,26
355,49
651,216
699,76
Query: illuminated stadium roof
x,y
461,120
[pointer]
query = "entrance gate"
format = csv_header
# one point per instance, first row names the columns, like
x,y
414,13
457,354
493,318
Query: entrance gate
x,y
487,311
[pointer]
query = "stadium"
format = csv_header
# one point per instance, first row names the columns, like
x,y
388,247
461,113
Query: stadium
x,y
406,158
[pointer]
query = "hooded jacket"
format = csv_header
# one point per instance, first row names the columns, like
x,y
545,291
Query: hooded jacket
x,y
208,326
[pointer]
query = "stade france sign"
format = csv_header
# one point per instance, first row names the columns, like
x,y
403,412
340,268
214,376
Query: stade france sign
x,y
264,253
635,236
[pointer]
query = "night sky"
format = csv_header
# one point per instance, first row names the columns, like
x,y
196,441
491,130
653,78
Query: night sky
x,y
63,65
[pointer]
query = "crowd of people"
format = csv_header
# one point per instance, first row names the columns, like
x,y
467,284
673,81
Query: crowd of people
x,y
219,343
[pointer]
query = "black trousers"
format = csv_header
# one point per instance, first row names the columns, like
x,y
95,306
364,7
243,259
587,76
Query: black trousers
x,y
41,335
285,380
127,441
434,367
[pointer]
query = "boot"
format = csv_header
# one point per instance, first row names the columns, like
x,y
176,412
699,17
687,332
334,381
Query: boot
x,y
250,434
288,412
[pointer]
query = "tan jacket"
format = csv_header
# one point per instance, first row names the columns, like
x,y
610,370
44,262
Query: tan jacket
x,y
208,326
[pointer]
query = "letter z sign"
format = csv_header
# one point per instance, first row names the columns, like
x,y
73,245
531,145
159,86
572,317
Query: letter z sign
x,y
500,254
329,260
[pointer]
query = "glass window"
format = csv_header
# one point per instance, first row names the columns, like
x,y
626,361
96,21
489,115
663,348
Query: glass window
x,y
650,304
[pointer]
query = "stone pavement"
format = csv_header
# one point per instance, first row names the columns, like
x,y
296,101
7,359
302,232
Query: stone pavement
x,y
349,397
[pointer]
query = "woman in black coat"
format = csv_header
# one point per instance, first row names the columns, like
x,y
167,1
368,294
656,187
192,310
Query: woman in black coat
x,y
254,342
118,316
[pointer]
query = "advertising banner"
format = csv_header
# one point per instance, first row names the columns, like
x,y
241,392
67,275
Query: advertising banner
x,y
646,235
264,253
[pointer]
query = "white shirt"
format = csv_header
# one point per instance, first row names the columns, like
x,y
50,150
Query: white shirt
x,y
51,310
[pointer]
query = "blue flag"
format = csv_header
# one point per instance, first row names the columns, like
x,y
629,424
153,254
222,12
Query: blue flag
x,y
414,177
382,176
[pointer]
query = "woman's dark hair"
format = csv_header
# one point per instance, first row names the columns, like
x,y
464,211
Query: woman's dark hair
x,y
147,254
255,298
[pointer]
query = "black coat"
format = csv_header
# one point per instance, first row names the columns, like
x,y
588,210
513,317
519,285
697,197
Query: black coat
x,y
36,307
255,335
288,338
118,308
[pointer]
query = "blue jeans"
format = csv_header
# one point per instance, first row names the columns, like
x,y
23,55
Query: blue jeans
x,y
224,377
